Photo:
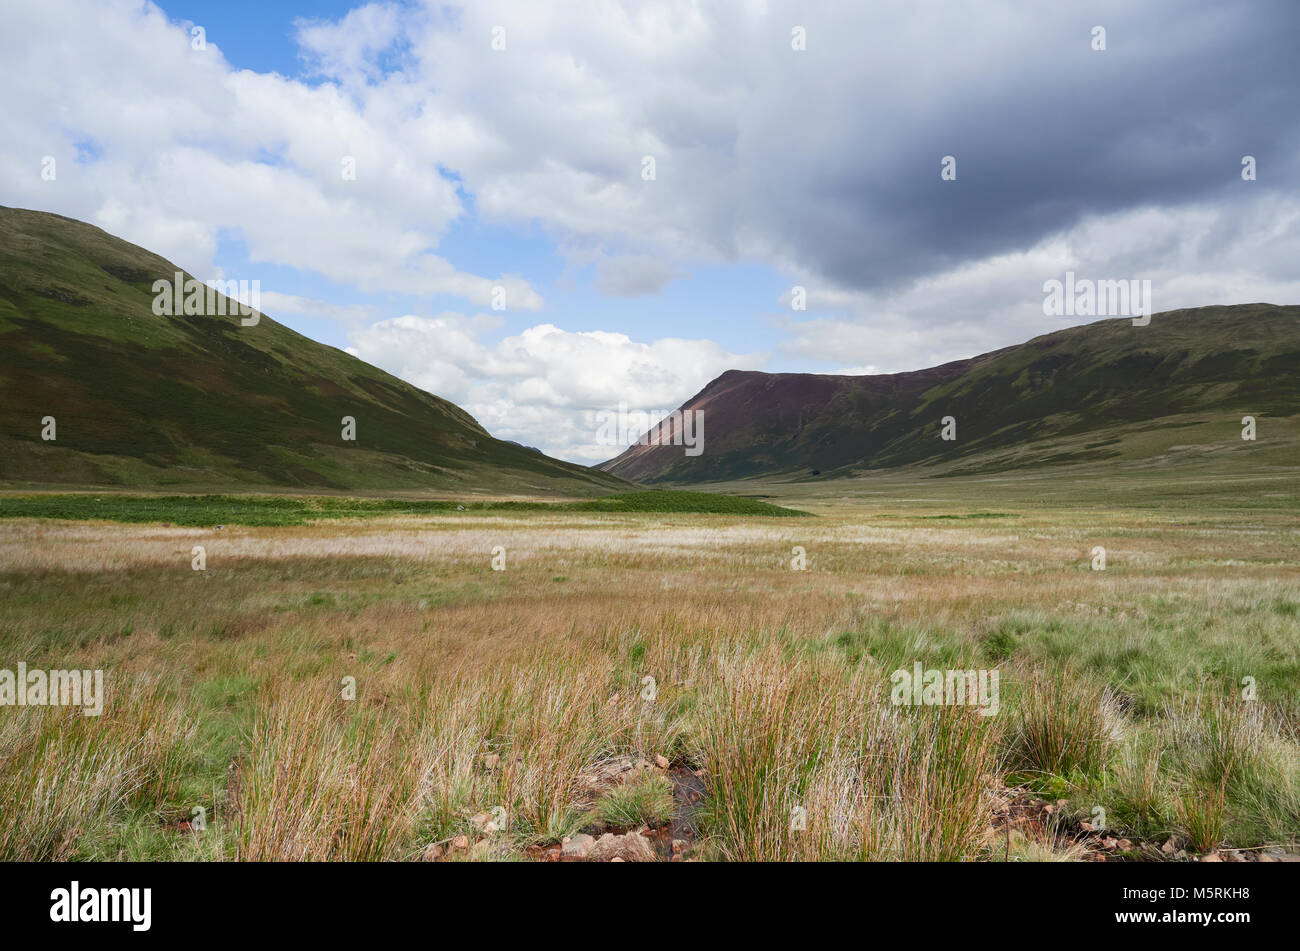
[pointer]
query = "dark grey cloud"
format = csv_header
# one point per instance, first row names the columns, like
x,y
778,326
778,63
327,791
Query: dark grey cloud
x,y
1044,129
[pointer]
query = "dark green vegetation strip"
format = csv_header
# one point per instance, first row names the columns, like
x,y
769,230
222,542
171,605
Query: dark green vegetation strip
x,y
197,510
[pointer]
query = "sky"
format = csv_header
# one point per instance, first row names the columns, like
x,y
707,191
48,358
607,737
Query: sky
x,y
548,211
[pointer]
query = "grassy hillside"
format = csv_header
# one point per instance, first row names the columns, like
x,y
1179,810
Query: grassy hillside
x,y
1108,391
199,401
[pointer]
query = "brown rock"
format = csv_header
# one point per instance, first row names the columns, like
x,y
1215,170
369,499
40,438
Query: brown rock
x,y
577,847
632,847
1212,857
661,761
460,842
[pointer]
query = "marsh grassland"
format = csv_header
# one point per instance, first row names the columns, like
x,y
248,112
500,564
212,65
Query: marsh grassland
x,y
1163,690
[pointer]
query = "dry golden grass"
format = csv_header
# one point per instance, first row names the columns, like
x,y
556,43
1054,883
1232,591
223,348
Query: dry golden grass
x,y
481,690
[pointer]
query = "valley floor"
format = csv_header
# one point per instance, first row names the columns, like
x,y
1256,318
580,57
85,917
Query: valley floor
x,y
672,685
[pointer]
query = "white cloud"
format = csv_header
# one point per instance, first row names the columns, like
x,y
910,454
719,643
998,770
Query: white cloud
x,y
545,386
188,146
821,164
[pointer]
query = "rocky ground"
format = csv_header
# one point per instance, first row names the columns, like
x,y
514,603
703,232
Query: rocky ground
x,y
1019,819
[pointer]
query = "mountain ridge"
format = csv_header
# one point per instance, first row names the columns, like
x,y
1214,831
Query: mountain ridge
x,y
143,399
1081,393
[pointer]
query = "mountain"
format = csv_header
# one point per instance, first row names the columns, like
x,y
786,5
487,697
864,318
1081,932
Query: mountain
x,y
1173,390
142,399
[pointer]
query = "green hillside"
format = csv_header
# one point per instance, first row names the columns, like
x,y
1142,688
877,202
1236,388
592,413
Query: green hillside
x,y
203,402
1172,392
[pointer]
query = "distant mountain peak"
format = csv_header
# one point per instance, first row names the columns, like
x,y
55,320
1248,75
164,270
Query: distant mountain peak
x,y
1104,390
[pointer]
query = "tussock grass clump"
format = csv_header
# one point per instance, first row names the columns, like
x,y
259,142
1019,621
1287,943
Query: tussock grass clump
x,y
63,774
376,778
810,761
1239,774
940,777
646,801
1203,811
1222,743
1065,724
1139,799
325,781
542,724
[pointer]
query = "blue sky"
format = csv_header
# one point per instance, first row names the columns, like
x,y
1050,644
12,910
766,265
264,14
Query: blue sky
x,y
729,299
500,149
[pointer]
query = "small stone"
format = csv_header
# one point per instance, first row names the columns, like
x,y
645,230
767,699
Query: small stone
x,y
432,852
1125,845
661,761
577,847
1212,857
632,847
481,821
460,842
1109,843
616,859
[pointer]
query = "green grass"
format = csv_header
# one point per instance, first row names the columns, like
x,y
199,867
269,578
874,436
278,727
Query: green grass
x,y
266,510
197,402
1123,691
647,801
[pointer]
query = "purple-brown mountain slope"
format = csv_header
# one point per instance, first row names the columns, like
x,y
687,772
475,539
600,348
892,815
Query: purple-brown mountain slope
x,y
1080,394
